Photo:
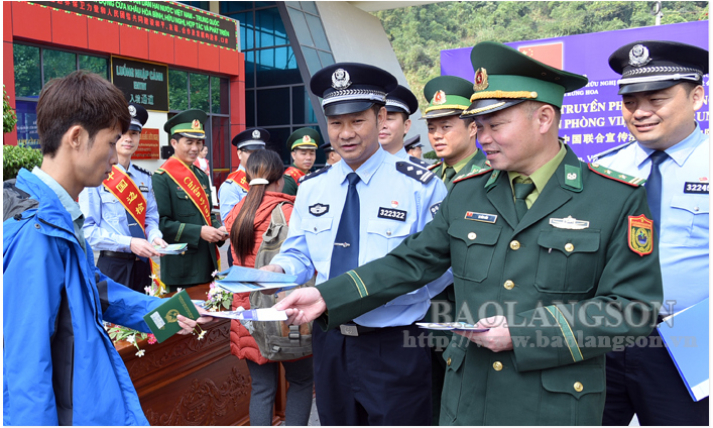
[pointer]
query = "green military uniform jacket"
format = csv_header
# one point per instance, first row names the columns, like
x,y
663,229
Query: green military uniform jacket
x,y
290,187
476,164
181,221
538,274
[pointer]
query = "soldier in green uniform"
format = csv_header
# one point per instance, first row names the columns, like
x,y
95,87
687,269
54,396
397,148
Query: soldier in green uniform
x,y
183,196
303,145
453,140
560,272
452,137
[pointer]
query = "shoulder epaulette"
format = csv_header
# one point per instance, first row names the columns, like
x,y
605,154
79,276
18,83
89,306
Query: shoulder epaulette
x,y
611,151
419,162
616,175
474,172
160,171
149,173
314,174
414,171
434,166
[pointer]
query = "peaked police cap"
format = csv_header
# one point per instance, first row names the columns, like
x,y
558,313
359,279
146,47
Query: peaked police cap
x,y
349,87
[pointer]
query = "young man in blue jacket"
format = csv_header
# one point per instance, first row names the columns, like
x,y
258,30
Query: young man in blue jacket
x,y
60,367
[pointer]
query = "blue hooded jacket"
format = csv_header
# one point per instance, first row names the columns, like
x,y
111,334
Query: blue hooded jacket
x,y
60,366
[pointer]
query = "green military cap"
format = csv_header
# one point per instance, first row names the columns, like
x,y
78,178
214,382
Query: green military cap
x,y
303,138
188,123
447,95
505,77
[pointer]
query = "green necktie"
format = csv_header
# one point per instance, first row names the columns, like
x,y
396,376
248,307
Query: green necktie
x,y
522,190
448,181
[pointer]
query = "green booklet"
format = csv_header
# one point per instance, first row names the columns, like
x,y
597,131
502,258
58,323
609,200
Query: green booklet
x,y
163,321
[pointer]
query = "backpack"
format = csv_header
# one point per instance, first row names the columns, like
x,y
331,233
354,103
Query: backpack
x,y
276,340
15,201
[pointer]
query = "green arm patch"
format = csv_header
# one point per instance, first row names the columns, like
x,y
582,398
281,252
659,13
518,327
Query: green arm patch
x,y
361,287
616,175
180,232
566,332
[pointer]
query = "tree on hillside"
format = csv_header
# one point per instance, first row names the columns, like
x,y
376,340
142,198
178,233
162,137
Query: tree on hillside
x,y
419,33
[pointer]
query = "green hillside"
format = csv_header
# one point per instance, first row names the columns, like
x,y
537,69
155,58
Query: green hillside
x,y
419,33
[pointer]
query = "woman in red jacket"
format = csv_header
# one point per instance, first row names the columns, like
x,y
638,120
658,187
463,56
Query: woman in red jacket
x,y
247,222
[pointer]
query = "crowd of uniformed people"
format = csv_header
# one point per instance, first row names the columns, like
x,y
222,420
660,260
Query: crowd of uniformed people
x,y
519,238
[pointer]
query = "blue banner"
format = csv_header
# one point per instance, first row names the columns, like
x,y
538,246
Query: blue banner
x,y
591,117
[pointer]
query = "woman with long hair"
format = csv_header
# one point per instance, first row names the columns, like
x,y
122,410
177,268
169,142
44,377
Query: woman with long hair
x,y
247,222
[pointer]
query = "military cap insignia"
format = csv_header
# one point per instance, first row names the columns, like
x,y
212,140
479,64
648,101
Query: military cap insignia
x,y
481,80
639,56
641,236
318,209
196,124
439,98
256,134
132,111
340,79
306,139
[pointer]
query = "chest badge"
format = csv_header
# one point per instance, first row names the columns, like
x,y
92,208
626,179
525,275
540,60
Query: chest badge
x,y
392,214
569,223
394,204
318,209
485,218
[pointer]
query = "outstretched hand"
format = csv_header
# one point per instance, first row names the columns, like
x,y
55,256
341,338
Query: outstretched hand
x,y
496,339
302,306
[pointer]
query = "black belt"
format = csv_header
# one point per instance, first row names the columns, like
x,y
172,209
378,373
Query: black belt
x,y
352,329
116,255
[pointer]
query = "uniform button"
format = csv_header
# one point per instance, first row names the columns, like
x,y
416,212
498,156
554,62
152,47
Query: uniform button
x,y
696,209
315,229
509,285
515,245
388,233
472,236
448,363
569,247
498,366
37,225
578,386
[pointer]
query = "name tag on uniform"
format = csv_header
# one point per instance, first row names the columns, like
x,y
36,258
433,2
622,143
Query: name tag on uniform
x,y
486,218
392,214
696,187
143,188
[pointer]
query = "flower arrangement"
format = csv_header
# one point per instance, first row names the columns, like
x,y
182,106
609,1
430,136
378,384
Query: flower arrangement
x,y
118,333
218,299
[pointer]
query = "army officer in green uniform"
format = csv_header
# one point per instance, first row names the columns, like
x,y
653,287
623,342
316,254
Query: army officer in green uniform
x,y
452,138
560,272
183,196
303,145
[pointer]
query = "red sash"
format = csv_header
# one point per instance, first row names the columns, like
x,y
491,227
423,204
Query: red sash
x,y
188,182
295,173
238,177
125,190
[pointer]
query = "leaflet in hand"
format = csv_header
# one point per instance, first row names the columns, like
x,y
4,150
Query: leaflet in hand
x,y
461,326
171,249
264,314
239,279
243,274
